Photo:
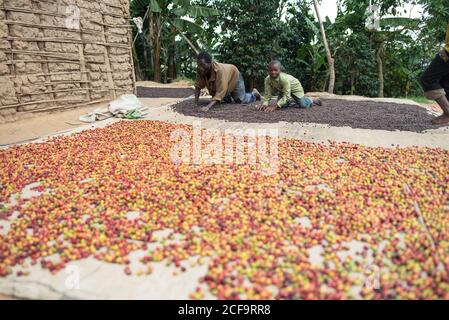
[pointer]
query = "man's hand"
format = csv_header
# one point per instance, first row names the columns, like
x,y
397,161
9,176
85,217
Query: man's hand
x,y
271,108
261,107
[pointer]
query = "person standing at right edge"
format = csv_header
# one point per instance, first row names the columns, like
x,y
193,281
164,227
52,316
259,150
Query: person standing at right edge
x,y
435,82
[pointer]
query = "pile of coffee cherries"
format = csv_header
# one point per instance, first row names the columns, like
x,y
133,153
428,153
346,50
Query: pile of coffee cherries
x,y
333,221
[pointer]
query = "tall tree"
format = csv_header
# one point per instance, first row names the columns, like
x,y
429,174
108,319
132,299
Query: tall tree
x,y
386,61
249,35
380,69
172,17
391,29
392,33
330,59
300,57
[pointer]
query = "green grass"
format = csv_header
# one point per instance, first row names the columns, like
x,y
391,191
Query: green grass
x,y
419,100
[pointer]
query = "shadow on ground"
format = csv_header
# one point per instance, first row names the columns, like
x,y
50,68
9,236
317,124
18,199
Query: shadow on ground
x,y
336,113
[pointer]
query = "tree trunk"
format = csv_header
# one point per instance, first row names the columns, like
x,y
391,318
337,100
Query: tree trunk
x,y
156,36
407,87
157,61
380,68
189,42
145,58
171,72
137,68
150,41
330,60
352,82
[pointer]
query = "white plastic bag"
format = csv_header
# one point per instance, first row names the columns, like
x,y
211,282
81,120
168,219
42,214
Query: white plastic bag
x,y
125,104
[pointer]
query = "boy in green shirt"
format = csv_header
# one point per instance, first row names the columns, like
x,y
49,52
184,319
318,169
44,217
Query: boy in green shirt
x,y
291,90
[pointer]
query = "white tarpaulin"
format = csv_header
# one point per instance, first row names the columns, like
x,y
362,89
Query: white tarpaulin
x,y
126,106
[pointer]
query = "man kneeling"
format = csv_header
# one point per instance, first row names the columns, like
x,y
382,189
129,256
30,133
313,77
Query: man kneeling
x,y
224,82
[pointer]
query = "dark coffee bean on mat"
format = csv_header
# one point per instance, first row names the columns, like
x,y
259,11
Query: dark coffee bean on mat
x,y
336,113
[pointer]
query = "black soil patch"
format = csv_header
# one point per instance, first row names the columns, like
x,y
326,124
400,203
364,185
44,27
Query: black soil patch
x,y
147,92
336,113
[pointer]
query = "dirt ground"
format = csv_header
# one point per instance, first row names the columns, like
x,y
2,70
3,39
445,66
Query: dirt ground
x,y
177,84
42,125
333,112
206,210
147,92
104,280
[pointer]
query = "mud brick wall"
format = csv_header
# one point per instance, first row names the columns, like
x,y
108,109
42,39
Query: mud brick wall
x,y
58,54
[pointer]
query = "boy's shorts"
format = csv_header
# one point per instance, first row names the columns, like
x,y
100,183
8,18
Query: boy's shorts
x,y
435,80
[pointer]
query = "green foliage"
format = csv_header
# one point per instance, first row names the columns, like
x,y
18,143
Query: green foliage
x,y
303,57
173,17
248,33
421,99
252,32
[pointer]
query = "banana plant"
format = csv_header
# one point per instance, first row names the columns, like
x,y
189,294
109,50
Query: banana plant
x,y
175,17
390,28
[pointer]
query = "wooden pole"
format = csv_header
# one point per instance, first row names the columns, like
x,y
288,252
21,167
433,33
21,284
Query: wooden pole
x,y
112,93
45,68
130,41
